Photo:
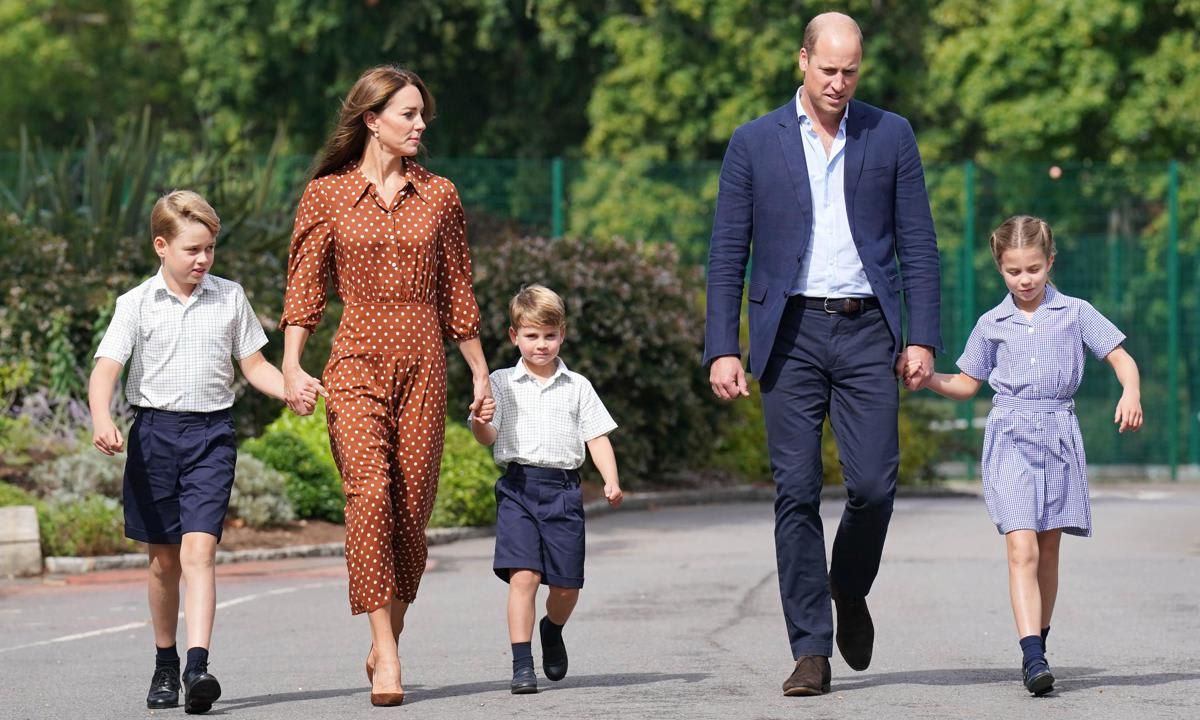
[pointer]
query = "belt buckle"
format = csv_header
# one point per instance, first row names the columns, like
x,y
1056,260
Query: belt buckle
x,y
825,307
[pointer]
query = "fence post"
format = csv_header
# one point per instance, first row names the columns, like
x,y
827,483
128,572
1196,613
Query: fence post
x,y
556,197
966,410
1172,419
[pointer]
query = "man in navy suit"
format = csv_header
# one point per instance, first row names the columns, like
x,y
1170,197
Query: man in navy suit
x,y
823,196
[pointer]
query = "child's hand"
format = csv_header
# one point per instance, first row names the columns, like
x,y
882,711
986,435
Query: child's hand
x,y
486,411
107,438
612,492
912,368
1129,413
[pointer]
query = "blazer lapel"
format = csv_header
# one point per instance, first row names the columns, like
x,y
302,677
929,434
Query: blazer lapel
x,y
856,151
792,146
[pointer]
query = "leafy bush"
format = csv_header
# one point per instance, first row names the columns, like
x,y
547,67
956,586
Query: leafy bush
x,y
79,476
93,526
634,328
299,448
466,494
259,496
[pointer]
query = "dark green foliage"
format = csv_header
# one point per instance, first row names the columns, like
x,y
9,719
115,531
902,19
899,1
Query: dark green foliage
x,y
299,448
634,329
466,495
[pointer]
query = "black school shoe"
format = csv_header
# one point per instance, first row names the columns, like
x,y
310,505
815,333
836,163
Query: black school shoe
x,y
200,691
164,688
554,654
1037,678
524,681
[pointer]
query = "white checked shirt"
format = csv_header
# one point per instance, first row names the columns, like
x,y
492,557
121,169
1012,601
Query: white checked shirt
x,y
180,352
831,266
546,425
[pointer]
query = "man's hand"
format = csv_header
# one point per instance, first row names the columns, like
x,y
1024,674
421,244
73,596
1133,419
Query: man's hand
x,y
728,378
915,366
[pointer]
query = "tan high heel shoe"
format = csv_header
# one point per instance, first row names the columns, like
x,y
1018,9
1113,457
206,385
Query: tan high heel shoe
x,y
384,699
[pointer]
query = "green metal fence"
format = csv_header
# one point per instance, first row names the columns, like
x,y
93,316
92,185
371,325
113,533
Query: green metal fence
x,y
1128,239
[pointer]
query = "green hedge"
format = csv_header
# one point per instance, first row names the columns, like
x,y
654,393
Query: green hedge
x,y
299,448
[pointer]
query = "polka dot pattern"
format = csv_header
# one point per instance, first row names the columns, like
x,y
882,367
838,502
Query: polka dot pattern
x,y
403,272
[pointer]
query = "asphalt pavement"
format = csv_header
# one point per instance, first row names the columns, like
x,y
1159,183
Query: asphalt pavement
x,y
679,618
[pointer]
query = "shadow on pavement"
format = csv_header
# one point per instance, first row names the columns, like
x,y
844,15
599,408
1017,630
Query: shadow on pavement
x,y
1068,679
417,693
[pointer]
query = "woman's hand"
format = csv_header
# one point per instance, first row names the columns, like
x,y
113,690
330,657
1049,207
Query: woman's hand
x,y
482,390
300,390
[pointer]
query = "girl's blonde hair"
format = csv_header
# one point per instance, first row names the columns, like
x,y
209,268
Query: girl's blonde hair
x,y
178,207
371,92
1022,231
537,305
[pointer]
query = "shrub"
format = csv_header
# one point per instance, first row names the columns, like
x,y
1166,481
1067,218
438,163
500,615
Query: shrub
x,y
259,496
299,448
634,329
93,526
466,494
81,475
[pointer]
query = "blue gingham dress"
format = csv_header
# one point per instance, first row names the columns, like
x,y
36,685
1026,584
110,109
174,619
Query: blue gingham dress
x,y
1034,468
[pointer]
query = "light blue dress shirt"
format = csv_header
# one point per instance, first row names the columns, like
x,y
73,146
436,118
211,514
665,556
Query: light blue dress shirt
x,y
831,266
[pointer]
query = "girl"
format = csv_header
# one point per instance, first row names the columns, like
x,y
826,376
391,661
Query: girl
x,y
1029,348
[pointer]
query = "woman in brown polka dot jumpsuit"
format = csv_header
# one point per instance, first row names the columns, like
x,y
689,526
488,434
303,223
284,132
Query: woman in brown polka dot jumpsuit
x,y
392,236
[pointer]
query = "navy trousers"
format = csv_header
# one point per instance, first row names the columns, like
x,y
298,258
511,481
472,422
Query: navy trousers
x,y
841,366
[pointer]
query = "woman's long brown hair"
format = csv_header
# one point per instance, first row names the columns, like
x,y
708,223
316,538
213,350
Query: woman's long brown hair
x,y
372,91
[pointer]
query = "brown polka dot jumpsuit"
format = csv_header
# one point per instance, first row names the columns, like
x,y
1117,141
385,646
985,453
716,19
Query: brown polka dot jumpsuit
x,y
404,275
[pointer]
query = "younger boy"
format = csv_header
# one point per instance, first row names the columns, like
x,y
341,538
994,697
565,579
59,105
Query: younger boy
x,y
542,417
179,330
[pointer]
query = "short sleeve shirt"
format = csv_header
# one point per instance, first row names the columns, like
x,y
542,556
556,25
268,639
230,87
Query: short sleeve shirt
x,y
546,424
180,352
1039,357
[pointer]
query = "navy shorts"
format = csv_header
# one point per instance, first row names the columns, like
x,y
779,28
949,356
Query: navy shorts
x,y
539,525
178,474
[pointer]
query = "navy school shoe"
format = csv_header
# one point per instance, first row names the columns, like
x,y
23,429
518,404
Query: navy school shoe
x,y
200,690
164,688
1037,677
554,652
524,681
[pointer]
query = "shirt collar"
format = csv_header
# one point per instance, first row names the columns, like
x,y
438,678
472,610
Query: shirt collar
x,y
418,177
802,114
1052,300
520,372
158,283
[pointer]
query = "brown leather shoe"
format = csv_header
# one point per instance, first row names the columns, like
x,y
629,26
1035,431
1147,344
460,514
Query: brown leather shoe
x,y
855,631
810,677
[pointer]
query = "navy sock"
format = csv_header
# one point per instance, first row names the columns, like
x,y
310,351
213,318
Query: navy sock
x,y
166,657
197,659
1045,632
522,655
1031,648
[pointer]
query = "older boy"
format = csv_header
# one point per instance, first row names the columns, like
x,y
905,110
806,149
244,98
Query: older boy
x,y
179,329
543,416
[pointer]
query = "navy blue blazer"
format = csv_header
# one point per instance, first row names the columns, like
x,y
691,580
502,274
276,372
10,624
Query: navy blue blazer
x,y
764,214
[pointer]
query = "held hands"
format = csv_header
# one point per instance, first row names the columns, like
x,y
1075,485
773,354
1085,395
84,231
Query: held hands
x,y
915,366
1129,412
482,391
486,411
300,391
727,378
107,438
612,493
